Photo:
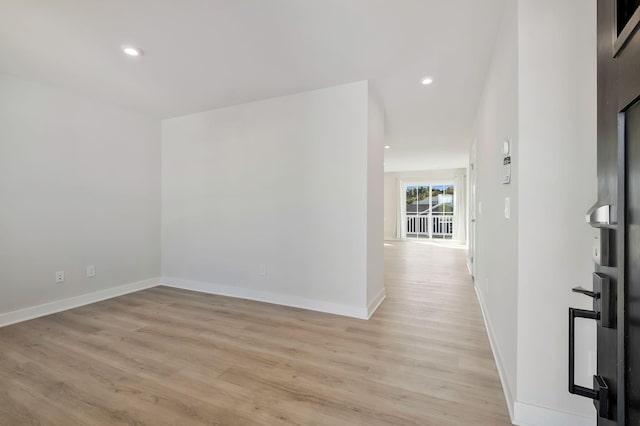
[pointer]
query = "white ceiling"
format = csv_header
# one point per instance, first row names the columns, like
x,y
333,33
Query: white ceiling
x,y
204,54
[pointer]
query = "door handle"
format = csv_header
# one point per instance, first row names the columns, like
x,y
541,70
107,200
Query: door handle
x,y
586,292
603,299
600,391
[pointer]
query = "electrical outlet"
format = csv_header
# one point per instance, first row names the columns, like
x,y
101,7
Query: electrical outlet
x,y
262,269
91,271
59,277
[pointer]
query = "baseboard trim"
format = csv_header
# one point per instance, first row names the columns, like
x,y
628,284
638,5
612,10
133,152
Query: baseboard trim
x,y
376,302
522,413
74,302
268,297
508,394
533,415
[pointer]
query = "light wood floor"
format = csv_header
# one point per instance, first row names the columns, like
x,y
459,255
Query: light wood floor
x,y
166,356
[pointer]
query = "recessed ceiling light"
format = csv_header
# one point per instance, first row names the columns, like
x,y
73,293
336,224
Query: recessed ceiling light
x,y
427,80
131,51
387,147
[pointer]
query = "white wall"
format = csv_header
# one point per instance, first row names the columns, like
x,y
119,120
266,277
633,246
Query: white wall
x,y
496,255
268,200
80,185
557,104
375,204
391,195
541,94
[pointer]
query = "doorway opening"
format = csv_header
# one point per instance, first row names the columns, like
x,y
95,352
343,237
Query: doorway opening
x,y
429,211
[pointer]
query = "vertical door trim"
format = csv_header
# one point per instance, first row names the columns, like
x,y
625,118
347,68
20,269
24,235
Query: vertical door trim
x,y
621,264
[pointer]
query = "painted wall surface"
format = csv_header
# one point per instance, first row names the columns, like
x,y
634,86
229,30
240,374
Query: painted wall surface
x,y
496,254
375,203
557,184
391,195
80,185
527,265
269,199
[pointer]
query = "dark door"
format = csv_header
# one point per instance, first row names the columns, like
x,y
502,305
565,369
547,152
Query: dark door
x,y
616,289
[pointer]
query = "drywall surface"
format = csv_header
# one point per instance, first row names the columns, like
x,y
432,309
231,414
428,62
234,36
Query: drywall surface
x,y
557,184
496,253
269,200
526,265
375,203
80,185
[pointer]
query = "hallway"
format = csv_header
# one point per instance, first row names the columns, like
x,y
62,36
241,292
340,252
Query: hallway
x,y
169,356
431,299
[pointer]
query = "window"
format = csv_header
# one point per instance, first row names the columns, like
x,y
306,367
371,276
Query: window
x,y
429,211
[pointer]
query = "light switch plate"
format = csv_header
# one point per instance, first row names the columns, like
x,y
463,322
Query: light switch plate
x,y
507,208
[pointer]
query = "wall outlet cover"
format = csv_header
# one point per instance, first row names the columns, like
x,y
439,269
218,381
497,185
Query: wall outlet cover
x,y
262,269
91,271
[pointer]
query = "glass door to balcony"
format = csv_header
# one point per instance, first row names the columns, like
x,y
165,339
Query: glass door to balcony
x,y
429,211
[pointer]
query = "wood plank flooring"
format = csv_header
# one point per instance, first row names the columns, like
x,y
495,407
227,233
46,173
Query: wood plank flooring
x,y
171,357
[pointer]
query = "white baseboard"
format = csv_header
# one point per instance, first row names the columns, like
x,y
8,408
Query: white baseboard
x,y
377,301
508,393
360,312
74,302
533,415
522,413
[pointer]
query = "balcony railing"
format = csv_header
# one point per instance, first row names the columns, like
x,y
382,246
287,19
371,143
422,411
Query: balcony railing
x,y
430,225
